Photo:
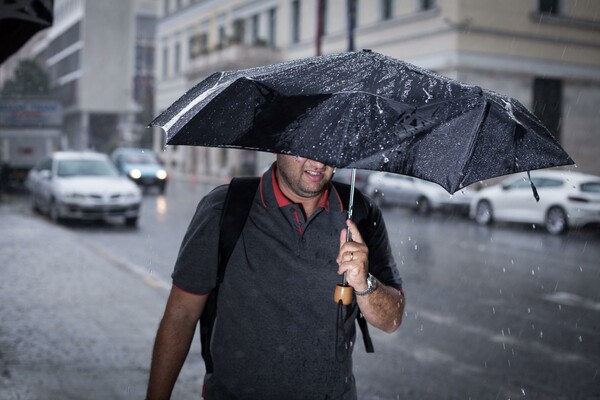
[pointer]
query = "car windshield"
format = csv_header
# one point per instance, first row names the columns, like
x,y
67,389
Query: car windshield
x,y
68,168
141,158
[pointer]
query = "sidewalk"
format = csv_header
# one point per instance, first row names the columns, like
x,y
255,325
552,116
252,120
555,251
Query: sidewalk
x,y
75,324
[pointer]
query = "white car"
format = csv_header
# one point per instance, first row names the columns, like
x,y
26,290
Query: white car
x,y
567,199
84,186
386,188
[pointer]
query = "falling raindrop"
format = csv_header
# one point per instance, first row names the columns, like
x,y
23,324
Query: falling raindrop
x,y
523,391
532,272
580,339
528,310
541,335
415,247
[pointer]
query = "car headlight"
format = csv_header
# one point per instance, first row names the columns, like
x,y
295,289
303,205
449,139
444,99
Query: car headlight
x,y
161,174
135,173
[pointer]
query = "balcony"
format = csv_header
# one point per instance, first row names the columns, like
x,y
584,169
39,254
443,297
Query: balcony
x,y
232,57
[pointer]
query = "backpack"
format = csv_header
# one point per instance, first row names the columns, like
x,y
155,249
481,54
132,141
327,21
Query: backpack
x,y
236,208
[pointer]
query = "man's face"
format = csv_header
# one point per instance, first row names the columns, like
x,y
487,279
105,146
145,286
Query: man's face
x,y
303,177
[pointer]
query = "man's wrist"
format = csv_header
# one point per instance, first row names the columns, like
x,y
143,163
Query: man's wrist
x,y
371,286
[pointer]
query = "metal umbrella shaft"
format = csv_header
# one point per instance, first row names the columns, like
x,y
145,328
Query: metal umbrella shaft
x,y
350,207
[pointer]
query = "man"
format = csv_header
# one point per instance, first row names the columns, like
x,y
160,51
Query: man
x,y
275,335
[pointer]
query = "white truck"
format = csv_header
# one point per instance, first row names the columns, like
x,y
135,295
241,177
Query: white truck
x,y
29,129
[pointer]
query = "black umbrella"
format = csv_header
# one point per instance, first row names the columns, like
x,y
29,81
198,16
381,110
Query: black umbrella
x,y
20,20
365,110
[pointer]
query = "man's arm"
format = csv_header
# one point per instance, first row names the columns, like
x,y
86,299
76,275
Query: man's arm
x,y
173,341
384,307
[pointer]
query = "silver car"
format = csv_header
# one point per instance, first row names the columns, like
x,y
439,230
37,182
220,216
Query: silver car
x,y
423,196
83,186
567,199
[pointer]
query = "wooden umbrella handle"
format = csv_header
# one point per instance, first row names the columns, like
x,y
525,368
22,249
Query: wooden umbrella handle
x,y
343,293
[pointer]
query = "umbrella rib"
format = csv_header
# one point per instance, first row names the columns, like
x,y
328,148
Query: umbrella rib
x,y
475,137
169,124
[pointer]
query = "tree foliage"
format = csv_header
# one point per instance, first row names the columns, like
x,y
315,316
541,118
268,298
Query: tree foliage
x,y
30,80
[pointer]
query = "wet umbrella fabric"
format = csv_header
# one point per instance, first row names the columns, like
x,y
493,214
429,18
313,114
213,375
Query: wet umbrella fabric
x,y
365,110
20,20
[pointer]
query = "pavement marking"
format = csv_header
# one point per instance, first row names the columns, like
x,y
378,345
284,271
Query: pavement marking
x,y
146,276
547,350
571,299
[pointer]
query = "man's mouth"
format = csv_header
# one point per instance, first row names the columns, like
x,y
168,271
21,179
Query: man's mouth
x,y
314,175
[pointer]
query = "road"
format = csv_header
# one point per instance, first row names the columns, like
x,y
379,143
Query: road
x,y
501,312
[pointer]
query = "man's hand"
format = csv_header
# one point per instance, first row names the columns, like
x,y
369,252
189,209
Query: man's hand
x,y
384,307
353,258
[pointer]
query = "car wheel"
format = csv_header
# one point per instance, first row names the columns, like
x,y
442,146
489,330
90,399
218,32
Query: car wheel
x,y
378,199
131,221
55,212
483,213
556,221
423,206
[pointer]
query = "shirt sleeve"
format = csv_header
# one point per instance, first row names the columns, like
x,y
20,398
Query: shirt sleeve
x,y
381,260
195,269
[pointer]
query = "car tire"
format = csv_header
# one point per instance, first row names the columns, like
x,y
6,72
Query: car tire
x,y
131,221
483,213
378,199
556,221
54,212
423,206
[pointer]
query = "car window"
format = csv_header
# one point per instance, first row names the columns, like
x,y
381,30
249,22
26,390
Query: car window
x,y
520,184
68,168
549,183
590,187
45,165
140,158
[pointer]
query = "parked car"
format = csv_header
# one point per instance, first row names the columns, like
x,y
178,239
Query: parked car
x,y
84,186
344,175
567,199
142,166
386,188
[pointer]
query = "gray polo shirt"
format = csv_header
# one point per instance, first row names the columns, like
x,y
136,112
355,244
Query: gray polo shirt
x,y
278,334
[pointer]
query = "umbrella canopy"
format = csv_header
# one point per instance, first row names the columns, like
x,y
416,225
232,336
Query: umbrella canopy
x,y
20,20
365,110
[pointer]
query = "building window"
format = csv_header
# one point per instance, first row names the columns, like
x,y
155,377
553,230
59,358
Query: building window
x,y
177,64
165,62
222,37
547,103
198,45
387,11
548,6
239,30
425,5
295,21
272,27
255,28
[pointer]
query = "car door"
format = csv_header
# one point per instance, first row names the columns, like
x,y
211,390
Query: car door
x,y
516,202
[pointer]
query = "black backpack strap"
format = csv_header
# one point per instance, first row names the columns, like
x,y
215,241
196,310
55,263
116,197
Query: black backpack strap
x,y
360,211
236,208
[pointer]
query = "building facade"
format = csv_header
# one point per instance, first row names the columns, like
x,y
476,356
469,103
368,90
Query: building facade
x,y
100,59
545,53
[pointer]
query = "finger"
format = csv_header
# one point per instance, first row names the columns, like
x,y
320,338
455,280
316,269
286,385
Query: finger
x,y
354,232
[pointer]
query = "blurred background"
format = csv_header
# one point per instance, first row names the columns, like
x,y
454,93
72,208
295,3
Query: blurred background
x,y
108,67
494,311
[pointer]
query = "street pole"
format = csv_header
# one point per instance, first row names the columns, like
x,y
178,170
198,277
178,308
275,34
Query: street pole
x,y
351,22
319,35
